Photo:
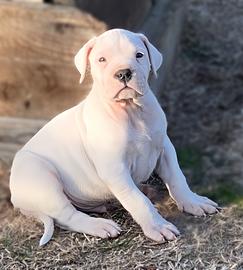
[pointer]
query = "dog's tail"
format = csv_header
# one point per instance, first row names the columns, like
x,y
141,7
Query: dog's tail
x,y
48,229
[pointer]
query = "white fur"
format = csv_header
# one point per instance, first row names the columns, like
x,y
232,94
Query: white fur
x,y
103,147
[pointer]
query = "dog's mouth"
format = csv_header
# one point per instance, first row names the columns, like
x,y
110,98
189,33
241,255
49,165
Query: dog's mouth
x,y
127,93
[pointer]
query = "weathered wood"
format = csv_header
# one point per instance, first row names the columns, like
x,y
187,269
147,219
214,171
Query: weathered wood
x,y
115,13
14,133
7,152
37,46
164,26
18,130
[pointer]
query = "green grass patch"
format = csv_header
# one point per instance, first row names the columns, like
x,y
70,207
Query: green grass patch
x,y
223,191
6,241
226,194
189,157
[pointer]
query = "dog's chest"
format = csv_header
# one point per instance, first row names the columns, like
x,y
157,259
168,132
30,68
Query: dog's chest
x,y
144,146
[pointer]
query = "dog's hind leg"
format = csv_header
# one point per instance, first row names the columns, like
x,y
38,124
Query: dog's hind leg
x,y
35,188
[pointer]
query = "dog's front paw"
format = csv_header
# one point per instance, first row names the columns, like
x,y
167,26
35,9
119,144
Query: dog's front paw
x,y
103,228
161,230
195,204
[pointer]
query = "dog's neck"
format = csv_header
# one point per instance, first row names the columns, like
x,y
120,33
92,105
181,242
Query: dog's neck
x,y
120,111
129,115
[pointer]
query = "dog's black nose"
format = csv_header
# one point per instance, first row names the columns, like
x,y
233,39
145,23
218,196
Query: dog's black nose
x,y
124,75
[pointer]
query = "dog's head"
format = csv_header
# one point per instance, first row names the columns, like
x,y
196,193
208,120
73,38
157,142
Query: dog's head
x,y
120,63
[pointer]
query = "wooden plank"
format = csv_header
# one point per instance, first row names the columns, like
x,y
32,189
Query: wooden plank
x,y
37,46
7,153
18,130
116,14
14,133
163,27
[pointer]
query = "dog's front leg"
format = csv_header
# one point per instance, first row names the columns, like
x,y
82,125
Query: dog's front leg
x,y
168,169
141,208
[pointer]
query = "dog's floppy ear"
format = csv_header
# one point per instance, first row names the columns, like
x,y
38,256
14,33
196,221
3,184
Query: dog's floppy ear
x,y
81,58
155,57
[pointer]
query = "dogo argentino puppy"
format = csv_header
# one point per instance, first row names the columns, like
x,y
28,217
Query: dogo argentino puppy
x,y
104,147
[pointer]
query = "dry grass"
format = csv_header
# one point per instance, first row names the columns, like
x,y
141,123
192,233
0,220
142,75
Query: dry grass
x,y
213,242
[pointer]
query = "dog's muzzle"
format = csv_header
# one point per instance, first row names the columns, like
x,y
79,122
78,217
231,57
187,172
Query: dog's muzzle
x,y
127,93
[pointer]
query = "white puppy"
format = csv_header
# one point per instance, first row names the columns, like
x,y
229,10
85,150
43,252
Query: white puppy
x,y
103,147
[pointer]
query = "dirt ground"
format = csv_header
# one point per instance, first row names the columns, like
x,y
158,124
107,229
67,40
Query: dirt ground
x,y
203,100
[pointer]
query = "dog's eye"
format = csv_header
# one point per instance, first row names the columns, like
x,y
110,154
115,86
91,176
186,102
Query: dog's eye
x,y
139,55
102,59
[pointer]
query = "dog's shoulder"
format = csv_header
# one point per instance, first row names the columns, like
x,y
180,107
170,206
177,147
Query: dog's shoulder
x,y
58,130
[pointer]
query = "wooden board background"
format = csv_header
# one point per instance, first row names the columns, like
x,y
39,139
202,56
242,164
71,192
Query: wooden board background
x,y
37,45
